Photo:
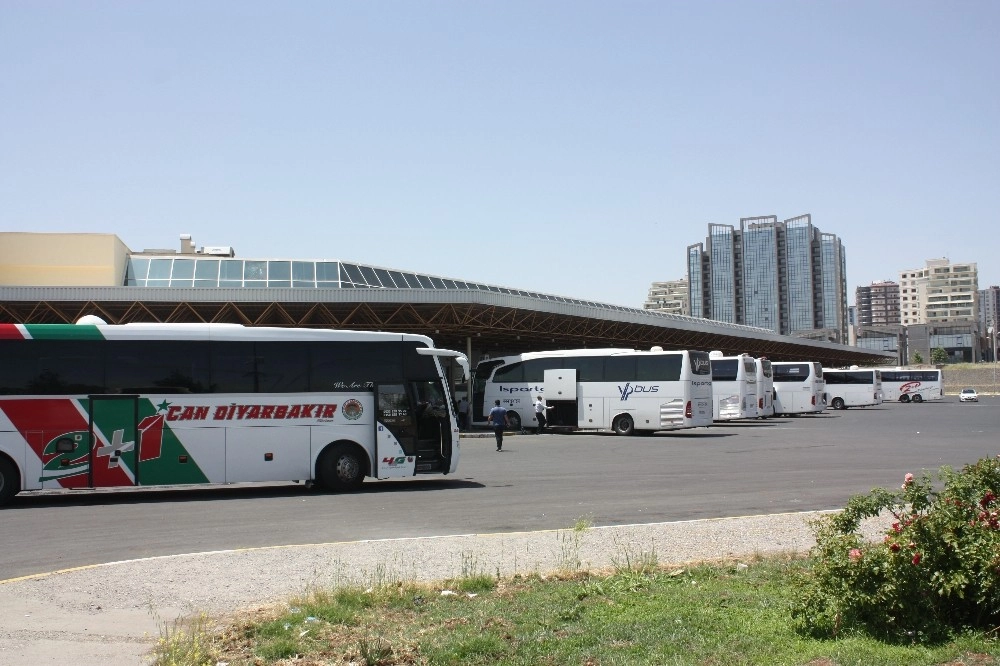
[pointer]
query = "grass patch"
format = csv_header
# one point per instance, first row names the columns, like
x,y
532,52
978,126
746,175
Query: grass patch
x,y
637,613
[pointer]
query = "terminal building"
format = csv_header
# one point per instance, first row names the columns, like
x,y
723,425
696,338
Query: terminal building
x,y
58,278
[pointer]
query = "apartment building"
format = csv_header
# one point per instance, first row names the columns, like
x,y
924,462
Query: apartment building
x,y
670,296
940,293
878,304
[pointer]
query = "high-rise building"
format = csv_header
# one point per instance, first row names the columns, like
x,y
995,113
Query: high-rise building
x,y
989,320
878,304
788,277
670,297
989,308
939,293
939,307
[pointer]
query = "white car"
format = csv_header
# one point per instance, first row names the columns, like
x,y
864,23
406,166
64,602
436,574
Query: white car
x,y
968,395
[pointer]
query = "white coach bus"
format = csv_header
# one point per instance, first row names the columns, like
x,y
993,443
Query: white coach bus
x,y
765,388
798,387
92,405
619,389
856,387
907,385
734,387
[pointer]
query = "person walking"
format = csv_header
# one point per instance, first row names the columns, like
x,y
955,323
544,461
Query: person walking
x,y
540,408
498,417
463,414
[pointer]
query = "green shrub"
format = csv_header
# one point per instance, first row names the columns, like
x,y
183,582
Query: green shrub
x,y
936,572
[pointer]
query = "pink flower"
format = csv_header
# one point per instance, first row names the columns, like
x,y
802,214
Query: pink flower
x,y
894,547
855,554
916,559
907,480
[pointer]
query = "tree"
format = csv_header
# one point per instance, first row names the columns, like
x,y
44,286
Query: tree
x,y
939,356
917,358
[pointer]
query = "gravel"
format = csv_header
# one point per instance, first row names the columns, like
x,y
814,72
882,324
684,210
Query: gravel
x,y
118,609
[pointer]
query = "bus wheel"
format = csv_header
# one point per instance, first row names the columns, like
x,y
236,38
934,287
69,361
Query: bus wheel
x,y
514,421
904,398
918,398
10,480
341,468
623,425
838,403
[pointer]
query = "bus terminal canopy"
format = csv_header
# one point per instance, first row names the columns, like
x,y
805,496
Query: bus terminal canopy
x,y
494,323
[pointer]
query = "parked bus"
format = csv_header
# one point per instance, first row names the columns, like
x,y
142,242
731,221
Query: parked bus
x,y
734,387
621,389
798,387
91,405
907,385
856,387
765,388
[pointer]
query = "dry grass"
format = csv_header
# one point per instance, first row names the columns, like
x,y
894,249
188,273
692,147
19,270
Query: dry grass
x,y
984,377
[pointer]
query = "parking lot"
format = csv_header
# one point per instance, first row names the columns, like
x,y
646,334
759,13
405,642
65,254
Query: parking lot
x,y
536,482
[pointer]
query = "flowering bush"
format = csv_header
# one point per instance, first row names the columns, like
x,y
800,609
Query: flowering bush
x,y
936,572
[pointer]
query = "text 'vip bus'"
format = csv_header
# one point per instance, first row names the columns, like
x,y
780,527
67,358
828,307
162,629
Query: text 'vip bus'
x,y
798,387
92,406
907,385
734,387
857,387
619,389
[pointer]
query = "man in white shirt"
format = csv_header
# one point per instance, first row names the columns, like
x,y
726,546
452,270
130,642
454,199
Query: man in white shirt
x,y
540,408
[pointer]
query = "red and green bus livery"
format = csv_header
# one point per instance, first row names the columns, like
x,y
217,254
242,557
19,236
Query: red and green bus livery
x,y
100,406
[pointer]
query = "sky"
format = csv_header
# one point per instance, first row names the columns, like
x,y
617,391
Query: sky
x,y
568,147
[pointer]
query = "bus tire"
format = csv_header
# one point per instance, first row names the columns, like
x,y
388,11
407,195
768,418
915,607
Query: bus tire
x,y
838,403
904,398
918,398
341,467
10,480
623,425
514,421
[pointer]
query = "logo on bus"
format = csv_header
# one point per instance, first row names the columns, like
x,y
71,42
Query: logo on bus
x,y
628,390
909,386
521,389
700,366
397,460
352,410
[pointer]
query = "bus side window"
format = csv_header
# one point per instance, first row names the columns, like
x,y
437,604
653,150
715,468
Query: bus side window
x,y
282,367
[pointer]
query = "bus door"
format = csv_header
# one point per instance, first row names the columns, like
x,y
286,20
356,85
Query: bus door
x,y
433,422
395,432
561,395
113,431
413,429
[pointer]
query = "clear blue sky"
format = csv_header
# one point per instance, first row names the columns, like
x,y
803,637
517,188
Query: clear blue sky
x,y
569,147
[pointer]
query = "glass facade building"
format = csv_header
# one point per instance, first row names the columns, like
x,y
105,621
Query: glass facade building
x,y
799,262
784,276
696,281
832,269
722,269
761,306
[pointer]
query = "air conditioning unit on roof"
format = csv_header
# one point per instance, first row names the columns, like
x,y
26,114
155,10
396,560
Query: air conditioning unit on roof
x,y
219,250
